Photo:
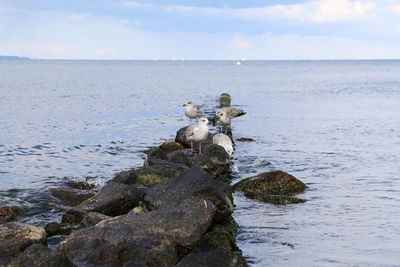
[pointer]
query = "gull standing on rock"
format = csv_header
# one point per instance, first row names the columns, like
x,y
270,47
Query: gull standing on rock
x,y
223,118
192,111
224,141
198,133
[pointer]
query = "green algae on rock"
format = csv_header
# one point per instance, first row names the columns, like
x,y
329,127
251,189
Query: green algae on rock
x,y
274,187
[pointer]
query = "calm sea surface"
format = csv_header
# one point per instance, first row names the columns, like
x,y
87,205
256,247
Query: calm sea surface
x,y
332,124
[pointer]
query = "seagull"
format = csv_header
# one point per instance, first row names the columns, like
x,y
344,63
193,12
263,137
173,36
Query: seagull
x,y
232,112
198,133
223,118
192,111
224,141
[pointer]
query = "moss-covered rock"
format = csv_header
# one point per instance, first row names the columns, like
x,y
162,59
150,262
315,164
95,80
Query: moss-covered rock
x,y
275,187
220,236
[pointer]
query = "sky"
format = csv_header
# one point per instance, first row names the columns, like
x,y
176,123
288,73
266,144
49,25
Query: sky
x,y
200,29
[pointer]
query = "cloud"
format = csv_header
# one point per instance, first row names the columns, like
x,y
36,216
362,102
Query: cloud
x,y
78,16
316,11
241,43
396,8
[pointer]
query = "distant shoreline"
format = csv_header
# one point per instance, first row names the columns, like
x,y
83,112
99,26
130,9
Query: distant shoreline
x,y
14,58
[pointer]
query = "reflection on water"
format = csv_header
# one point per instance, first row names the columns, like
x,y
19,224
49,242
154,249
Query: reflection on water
x,y
332,124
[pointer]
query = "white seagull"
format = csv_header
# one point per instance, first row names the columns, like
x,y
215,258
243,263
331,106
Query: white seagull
x,y
224,141
223,118
198,133
192,111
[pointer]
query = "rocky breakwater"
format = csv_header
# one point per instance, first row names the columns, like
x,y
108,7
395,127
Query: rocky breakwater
x,y
174,211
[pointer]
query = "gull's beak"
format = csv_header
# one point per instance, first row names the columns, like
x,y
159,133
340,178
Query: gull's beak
x,y
184,105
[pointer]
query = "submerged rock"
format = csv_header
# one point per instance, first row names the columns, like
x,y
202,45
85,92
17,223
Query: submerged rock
x,y
114,199
6,215
70,197
217,258
39,255
196,182
16,237
148,239
80,185
274,187
245,139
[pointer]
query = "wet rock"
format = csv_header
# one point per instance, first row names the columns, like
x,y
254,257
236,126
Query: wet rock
x,y
107,246
225,100
80,185
272,187
114,199
245,139
148,239
152,174
165,148
39,255
213,259
195,182
54,228
70,197
93,218
73,216
280,199
142,208
181,137
220,236
214,159
16,237
6,215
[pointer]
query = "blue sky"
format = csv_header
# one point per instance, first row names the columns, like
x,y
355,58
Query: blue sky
x,y
200,29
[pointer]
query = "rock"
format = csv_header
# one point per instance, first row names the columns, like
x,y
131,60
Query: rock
x,y
54,228
142,208
214,159
195,182
245,139
16,237
93,218
152,174
170,146
80,185
6,215
114,199
148,239
73,216
182,134
225,100
220,236
39,255
268,185
217,258
70,197
107,246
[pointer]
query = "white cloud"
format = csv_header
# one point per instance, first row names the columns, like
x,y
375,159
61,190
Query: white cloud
x,y
241,43
78,16
317,11
396,8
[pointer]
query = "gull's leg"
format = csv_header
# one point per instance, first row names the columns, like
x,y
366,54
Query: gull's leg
x,y
200,148
191,146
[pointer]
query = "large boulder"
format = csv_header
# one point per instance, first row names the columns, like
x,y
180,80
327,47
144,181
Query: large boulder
x,y
70,197
16,237
195,182
148,239
6,215
214,159
39,255
114,199
151,174
272,187
182,134
216,258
